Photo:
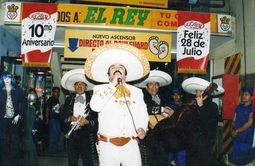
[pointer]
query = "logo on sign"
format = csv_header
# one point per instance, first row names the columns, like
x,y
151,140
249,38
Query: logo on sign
x,y
225,23
39,16
12,11
194,25
159,48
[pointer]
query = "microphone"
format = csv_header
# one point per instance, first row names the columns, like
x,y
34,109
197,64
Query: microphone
x,y
119,80
117,73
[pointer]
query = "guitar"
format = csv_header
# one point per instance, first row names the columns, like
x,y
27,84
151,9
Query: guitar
x,y
155,118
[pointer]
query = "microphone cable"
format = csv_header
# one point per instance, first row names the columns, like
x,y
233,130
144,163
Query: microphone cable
x,y
133,121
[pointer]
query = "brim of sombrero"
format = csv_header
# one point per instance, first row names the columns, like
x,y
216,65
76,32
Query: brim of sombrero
x,y
133,59
190,85
161,77
71,77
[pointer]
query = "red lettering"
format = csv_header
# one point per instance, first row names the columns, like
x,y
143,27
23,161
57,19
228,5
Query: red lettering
x,y
90,43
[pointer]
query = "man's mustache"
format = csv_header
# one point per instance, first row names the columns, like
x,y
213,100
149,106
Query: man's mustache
x,y
117,71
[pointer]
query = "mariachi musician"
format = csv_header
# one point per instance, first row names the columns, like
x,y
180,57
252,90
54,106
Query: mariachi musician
x,y
202,135
81,120
195,129
157,111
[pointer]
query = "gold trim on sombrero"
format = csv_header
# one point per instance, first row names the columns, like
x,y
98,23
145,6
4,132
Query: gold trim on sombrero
x,y
133,50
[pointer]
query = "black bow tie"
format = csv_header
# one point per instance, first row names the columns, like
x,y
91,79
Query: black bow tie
x,y
79,99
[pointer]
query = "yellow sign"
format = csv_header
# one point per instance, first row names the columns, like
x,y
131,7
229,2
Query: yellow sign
x,y
88,15
151,3
106,16
81,43
121,17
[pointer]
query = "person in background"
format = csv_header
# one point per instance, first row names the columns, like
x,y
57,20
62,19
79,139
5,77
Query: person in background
x,y
30,138
53,119
243,125
122,113
176,158
12,102
81,141
176,96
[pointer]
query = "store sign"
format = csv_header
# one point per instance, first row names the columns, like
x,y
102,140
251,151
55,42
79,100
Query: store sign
x,y
224,23
12,12
38,32
117,17
150,3
81,43
126,17
193,41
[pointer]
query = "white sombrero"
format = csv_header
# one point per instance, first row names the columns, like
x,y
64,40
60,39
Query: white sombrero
x,y
71,77
161,77
190,85
133,59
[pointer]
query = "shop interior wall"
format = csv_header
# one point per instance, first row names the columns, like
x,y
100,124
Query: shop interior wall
x,y
243,40
243,10
218,55
9,45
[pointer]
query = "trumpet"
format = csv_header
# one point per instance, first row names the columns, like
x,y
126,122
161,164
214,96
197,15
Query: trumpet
x,y
76,125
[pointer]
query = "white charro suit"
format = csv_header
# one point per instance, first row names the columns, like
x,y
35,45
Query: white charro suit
x,y
115,120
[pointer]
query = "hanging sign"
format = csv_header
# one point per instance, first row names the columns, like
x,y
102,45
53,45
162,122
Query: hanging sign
x,y
193,41
38,31
112,16
81,43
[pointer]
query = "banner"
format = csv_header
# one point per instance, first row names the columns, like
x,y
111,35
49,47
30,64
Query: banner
x,y
224,23
38,31
12,12
193,41
81,43
151,3
121,17
116,16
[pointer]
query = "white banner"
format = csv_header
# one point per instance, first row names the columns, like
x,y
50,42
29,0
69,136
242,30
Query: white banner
x,y
193,42
38,32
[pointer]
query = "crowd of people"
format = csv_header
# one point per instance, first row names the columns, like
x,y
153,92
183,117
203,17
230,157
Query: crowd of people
x,y
124,124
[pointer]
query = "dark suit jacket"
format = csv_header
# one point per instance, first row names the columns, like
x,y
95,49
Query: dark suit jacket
x,y
18,101
152,106
68,111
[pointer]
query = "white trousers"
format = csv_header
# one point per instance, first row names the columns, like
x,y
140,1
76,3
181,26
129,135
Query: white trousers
x,y
112,155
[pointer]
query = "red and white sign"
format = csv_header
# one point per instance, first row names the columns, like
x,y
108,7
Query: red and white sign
x,y
193,41
38,32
